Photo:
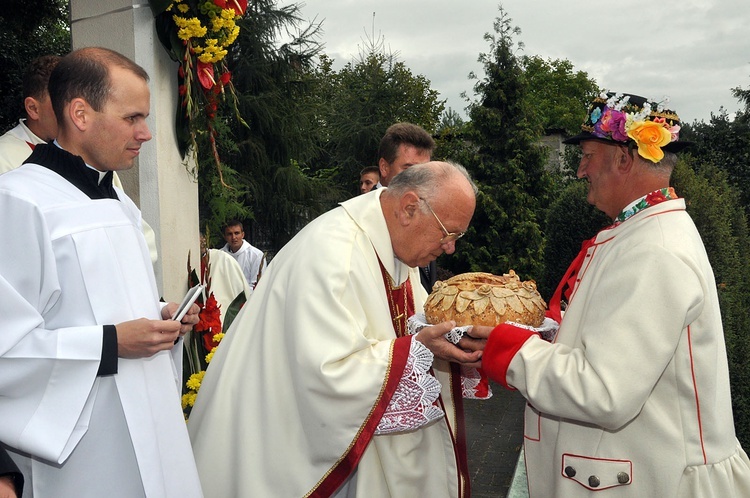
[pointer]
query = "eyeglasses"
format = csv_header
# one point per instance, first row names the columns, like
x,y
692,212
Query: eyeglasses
x,y
447,236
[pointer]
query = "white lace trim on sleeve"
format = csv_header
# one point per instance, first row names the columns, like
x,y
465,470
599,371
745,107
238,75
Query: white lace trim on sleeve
x,y
473,386
413,404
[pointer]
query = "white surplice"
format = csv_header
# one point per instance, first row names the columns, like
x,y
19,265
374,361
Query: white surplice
x,y
69,265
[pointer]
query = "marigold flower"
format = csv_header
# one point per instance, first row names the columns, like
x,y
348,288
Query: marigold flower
x,y
189,399
189,28
195,380
232,36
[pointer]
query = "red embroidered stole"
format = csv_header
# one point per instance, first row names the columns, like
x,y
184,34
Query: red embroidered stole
x,y
400,301
401,305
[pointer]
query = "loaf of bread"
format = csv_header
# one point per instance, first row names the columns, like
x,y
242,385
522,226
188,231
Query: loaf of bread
x,y
485,299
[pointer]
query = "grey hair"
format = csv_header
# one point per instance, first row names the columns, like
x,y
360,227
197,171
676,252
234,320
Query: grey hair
x,y
668,162
663,167
427,179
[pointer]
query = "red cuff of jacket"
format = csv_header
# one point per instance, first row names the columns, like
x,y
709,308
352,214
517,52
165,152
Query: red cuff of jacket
x,y
502,345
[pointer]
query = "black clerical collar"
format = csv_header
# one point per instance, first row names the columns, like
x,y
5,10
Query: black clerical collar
x,y
74,170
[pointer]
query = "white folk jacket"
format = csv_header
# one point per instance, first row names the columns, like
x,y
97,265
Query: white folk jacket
x,y
632,400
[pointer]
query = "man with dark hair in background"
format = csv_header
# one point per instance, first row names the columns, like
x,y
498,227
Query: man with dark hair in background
x,y
369,178
39,126
251,259
402,146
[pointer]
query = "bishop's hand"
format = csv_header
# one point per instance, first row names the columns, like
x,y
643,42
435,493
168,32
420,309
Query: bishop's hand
x,y
433,337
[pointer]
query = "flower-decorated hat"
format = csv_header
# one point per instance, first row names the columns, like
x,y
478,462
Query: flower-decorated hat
x,y
624,118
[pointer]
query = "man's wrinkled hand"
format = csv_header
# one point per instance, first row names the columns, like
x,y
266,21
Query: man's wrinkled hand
x,y
481,332
143,338
470,344
433,337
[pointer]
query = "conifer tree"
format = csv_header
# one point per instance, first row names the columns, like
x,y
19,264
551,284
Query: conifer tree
x,y
360,101
715,208
264,160
508,167
28,29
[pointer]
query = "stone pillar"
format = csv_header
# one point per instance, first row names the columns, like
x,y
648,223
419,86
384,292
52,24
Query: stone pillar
x,y
160,183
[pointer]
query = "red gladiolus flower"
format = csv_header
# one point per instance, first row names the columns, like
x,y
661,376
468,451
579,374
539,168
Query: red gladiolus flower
x,y
208,340
238,6
206,75
225,77
209,317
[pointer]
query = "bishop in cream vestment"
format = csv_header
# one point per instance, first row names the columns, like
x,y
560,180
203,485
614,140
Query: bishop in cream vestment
x,y
292,400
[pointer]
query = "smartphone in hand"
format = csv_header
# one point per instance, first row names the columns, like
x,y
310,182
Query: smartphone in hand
x,y
188,301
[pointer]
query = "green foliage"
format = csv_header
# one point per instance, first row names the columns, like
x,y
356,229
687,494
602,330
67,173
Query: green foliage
x,y
725,143
507,165
261,160
559,95
359,102
570,221
28,29
219,203
715,207
453,142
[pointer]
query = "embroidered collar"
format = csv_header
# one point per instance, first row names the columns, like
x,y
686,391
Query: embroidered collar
x,y
652,199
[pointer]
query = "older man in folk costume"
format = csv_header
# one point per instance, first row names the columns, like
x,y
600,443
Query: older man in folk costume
x,y
89,369
318,389
632,397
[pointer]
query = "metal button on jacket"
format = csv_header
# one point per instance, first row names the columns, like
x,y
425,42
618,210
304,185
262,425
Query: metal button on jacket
x,y
623,477
570,471
594,481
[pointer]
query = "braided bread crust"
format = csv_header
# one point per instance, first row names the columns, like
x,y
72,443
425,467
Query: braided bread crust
x,y
485,299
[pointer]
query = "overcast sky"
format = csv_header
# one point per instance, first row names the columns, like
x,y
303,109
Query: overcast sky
x,y
693,51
